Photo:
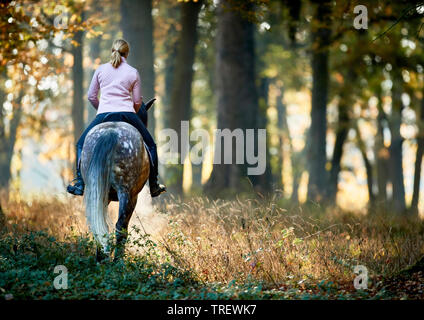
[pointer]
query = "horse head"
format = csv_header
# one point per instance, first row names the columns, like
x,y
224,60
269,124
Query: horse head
x,y
142,112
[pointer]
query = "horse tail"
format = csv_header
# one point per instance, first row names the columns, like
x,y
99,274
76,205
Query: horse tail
x,y
97,179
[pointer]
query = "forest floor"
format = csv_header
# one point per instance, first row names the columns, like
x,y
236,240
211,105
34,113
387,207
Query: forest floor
x,y
241,249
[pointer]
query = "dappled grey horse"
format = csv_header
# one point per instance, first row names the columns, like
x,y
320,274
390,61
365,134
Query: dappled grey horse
x,y
115,167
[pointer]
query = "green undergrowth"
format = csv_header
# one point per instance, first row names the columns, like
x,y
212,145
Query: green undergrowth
x,y
28,260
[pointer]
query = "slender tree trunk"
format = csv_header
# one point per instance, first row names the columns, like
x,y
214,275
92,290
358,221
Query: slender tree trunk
x,y
418,162
204,56
297,174
320,80
8,140
263,182
281,115
298,167
169,76
417,175
182,81
382,156
236,91
137,28
78,82
4,177
2,218
296,158
368,167
341,136
395,149
171,49
94,54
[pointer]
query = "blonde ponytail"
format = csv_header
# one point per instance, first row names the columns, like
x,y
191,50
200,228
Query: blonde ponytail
x,y
115,59
120,48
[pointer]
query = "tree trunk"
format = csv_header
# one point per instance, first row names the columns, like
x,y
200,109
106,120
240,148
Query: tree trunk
x,y
418,162
417,175
94,54
297,175
7,141
237,100
263,183
137,28
296,158
281,115
396,147
182,83
382,156
4,178
368,167
78,82
320,79
171,49
2,218
341,136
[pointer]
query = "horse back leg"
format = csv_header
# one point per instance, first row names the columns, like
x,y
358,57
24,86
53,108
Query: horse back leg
x,y
126,209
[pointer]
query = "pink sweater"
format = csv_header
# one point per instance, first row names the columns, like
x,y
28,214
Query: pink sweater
x,y
120,88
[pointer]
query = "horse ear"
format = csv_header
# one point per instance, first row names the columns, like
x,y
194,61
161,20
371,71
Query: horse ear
x,y
150,103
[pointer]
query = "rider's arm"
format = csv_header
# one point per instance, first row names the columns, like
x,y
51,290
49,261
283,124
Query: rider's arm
x,y
93,90
136,93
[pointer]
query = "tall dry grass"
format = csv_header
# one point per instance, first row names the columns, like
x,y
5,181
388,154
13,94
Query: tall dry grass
x,y
59,217
244,239
223,240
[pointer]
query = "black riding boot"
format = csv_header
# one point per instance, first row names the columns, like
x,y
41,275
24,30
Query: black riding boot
x,y
78,187
155,188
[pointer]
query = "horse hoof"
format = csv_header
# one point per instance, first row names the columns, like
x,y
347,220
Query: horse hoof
x,y
101,256
117,259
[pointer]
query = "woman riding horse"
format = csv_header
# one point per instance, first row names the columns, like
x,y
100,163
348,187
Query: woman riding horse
x,y
120,100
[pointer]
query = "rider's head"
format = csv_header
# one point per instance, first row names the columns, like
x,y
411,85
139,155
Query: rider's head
x,y
120,48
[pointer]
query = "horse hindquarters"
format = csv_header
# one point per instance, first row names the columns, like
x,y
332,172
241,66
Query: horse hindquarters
x,y
98,180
